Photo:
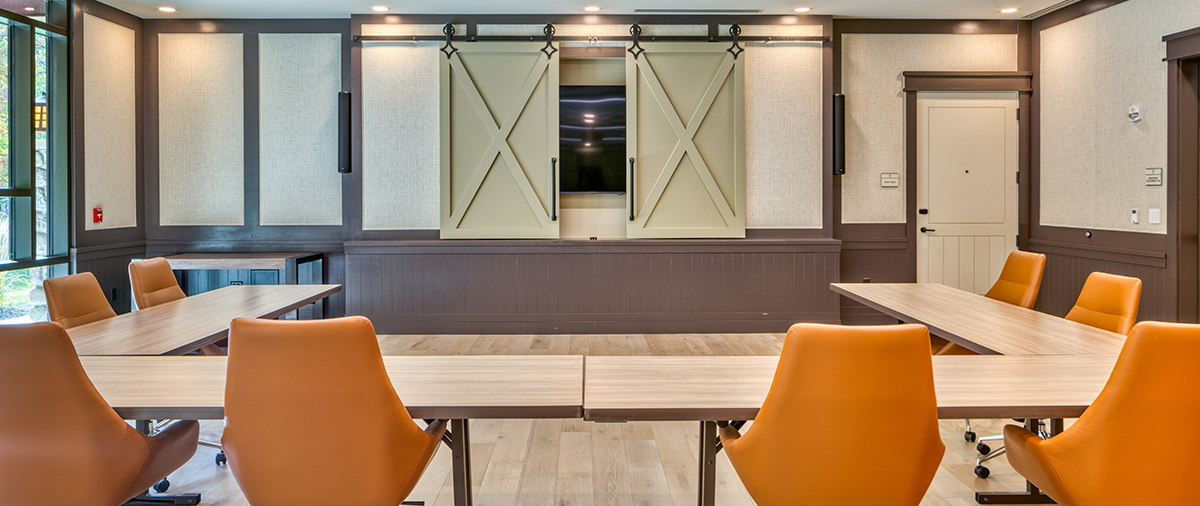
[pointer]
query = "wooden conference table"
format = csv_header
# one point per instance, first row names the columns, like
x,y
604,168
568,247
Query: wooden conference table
x,y
186,325
457,388
606,389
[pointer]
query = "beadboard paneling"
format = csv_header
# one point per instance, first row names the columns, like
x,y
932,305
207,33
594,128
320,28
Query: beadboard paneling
x,y
110,265
1066,272
585,287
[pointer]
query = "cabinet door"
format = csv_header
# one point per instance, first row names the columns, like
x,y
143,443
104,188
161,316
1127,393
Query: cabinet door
x,y
499,131
686,136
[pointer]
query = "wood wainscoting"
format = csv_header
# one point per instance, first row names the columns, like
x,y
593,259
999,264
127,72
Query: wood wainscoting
x,y
747,285
1068,266
110,265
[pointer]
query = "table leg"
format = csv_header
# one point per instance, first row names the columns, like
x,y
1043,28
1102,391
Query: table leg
x,y
145,499
460,448
706,496
1031,495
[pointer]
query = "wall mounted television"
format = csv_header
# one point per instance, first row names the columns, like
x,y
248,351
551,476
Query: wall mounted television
x,y
591,141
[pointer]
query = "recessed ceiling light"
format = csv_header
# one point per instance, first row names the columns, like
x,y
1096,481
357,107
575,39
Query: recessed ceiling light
x,y
166,9
803,9
589,121
30,9
1009,10
380,8
592,8
587,144
589,115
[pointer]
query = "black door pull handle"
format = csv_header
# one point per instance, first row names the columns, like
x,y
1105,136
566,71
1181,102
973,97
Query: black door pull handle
x,y
923,229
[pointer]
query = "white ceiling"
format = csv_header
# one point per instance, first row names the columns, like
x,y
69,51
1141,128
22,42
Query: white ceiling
x,y
908,9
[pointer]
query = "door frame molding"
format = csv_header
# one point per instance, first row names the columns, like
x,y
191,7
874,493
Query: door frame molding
x,y
914,82
1183,170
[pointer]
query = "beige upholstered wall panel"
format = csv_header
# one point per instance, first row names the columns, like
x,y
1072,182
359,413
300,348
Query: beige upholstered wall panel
x,y
401,143
783,135
1093,159
200,129
775,30
299,78
110,122
404,29
872,67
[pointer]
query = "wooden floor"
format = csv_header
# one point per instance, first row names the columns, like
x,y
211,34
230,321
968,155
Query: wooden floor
x,y
572,462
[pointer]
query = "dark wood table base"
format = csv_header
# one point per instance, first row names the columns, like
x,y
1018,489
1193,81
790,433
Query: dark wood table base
x,y
1031,495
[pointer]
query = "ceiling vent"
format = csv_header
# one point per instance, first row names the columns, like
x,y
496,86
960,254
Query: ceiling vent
x,y
699,11
1051,8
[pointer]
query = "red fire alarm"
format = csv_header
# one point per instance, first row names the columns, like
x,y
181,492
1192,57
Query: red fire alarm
x,y
97,215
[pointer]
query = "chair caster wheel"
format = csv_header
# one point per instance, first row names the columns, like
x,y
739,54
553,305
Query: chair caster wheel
x,y
969,436
983,448
982,472
162,486
221,460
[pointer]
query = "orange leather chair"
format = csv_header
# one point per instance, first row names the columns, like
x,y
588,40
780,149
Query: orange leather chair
x,y
310,424
153,283
1105,458
1019,283
76,300
832,387
1108,301
60,442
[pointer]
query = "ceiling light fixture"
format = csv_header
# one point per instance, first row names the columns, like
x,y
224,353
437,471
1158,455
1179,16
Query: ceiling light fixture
x,y
587,115
1009,10
803,9
592,8
380,8
30,9
166,9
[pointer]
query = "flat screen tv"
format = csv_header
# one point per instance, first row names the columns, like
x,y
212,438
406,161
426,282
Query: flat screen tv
x,y
591,141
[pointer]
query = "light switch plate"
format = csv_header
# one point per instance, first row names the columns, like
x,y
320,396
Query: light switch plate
x,y
1155,216
1133,218
889,180
1154,177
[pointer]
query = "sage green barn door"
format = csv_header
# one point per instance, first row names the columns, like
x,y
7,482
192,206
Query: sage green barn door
x,y
686,136
499,131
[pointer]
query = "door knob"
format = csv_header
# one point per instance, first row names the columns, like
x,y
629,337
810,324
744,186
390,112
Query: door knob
x,y
923,229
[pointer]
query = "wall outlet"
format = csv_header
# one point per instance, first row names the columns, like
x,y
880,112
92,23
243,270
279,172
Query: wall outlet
x,y
1133,218
1155,216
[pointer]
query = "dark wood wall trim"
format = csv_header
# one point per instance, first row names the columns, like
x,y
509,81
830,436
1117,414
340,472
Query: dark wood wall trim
x,y
81,215
251,230
1183,44
110,264
1072,12
968,81
592,286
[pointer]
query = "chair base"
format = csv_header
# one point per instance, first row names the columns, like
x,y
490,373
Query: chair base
x,y
164,500
1034,497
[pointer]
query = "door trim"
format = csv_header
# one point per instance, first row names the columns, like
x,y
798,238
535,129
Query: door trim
x,y
977,81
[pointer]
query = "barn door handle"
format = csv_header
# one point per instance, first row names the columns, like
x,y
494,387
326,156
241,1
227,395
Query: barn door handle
x,y
632,215
923,229
553,189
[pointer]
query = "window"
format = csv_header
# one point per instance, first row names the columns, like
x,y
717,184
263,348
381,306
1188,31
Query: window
x,y
34,189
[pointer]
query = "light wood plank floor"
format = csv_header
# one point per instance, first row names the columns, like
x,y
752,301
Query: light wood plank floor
x,y
572,462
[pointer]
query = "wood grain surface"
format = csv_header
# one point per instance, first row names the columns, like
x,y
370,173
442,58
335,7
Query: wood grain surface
x,y
431,387
981,324
733,388
275,261
188,324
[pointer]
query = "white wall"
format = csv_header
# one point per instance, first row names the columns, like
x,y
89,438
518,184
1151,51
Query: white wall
x,y
1093,159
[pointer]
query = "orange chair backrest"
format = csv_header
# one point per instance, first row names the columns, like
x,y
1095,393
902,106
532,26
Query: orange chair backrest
x,y
809,443
311,416
55,428
1106,457
76,300
1020,280
153,283
1108,301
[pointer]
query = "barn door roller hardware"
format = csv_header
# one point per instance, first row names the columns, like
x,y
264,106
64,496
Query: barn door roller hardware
x,y
449,48
735,49
635,50
549,31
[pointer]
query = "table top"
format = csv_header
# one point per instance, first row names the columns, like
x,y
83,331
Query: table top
x,y
733,388
188,324
275,261
981,324
447,387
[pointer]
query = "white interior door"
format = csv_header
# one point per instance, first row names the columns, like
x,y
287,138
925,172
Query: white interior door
x,y
966,187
